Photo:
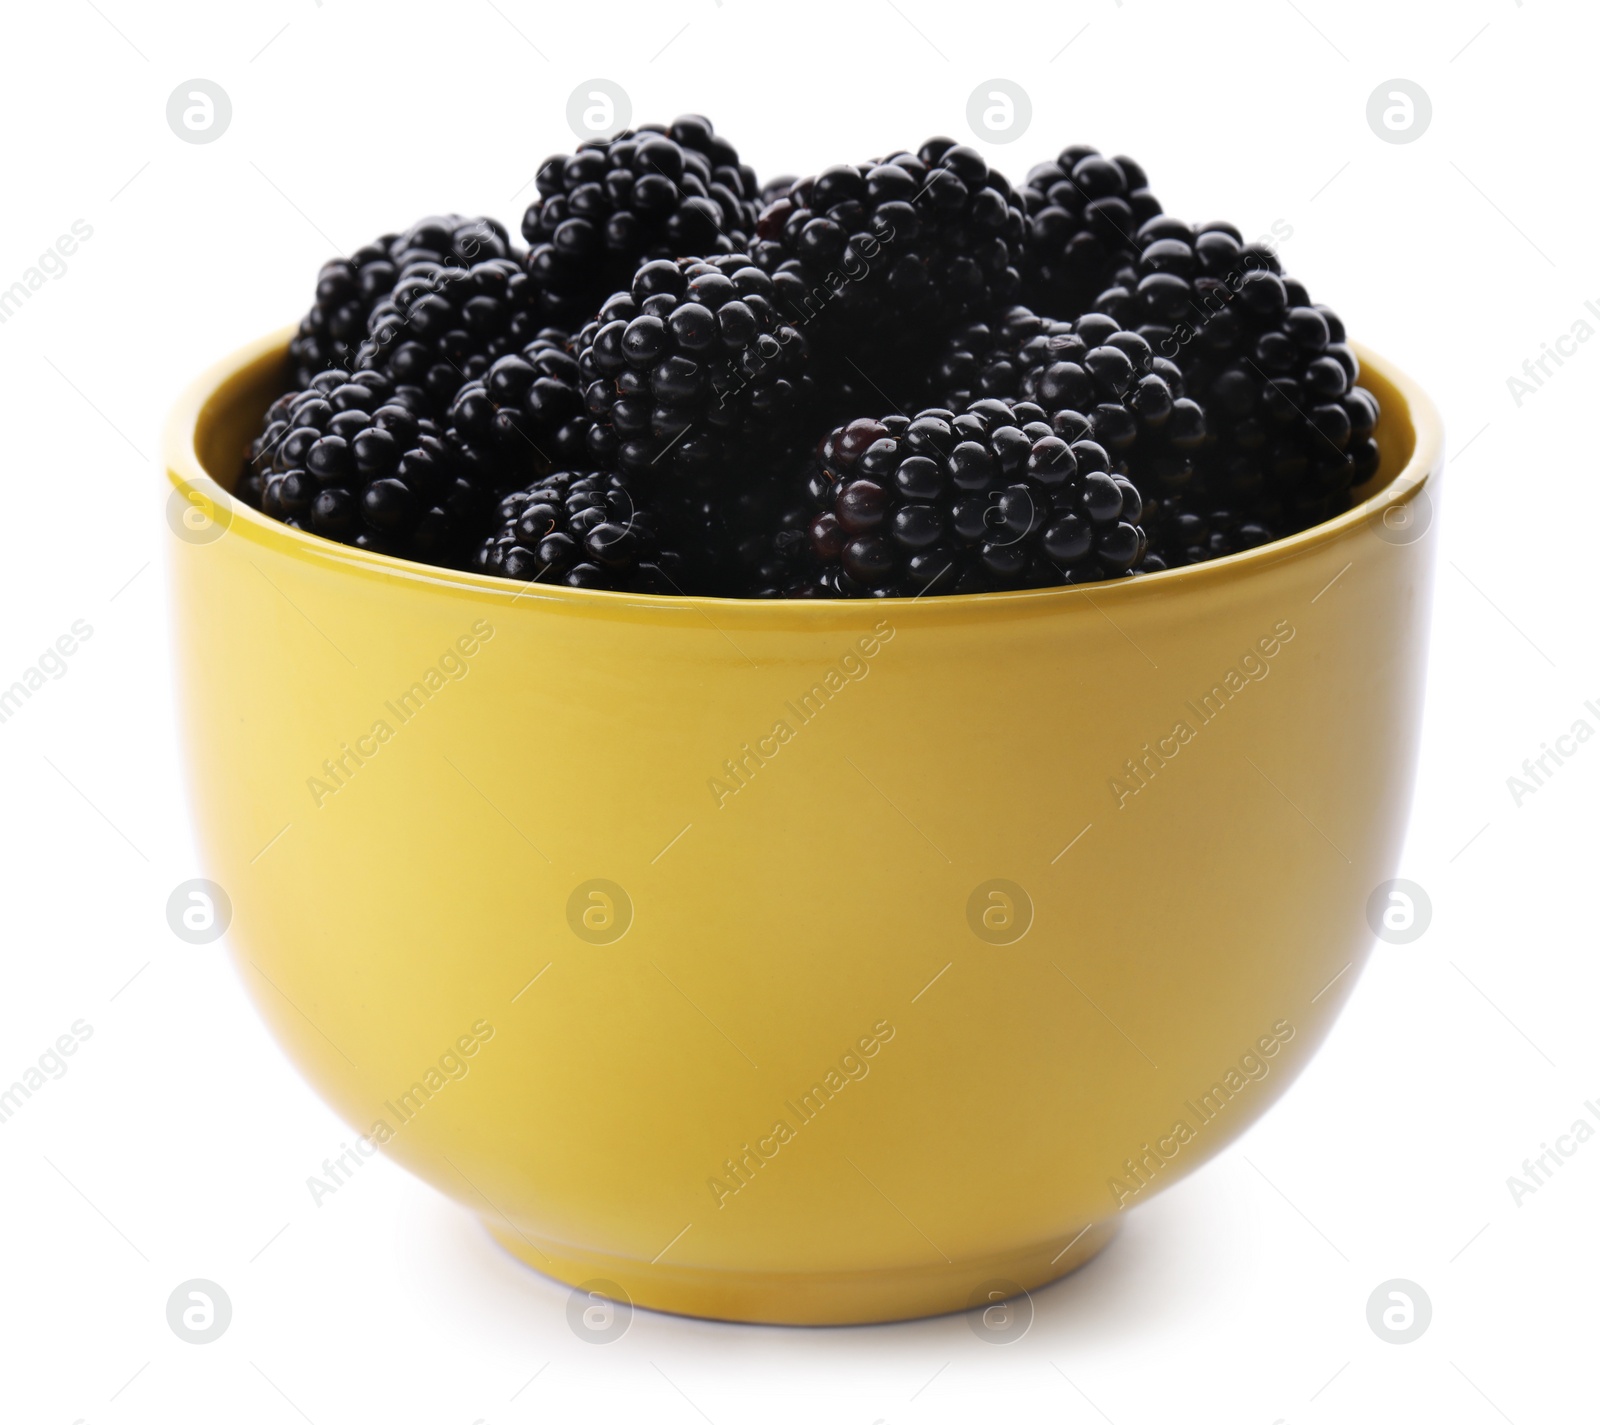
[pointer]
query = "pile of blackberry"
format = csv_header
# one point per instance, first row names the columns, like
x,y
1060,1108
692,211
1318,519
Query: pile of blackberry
x,y
889,379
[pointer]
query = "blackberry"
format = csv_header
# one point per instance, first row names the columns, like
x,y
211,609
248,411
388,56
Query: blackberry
x,y
998,497
524,417
348,288
577,528
675,191
1135,399
736,537
1084,211
354,459
995,356
443,325
1081,365
882,254
1191,527
1290,430
775,188
690,369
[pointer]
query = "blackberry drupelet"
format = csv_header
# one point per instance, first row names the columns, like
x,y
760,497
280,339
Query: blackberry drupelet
x,y
1084,211
998,497
675,191
524,417
348,288
691,369
354,459
581,529
883,254
442,325
1290,430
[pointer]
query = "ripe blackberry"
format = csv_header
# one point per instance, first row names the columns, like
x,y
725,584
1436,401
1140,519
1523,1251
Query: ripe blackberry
x,y
581,529
1192,527
994,356
1290,431
728,529
443,325
894,249
354,459
690,369
775,188
1081,365
998,497
348,288
1084,211
675,191
1135,400
524,417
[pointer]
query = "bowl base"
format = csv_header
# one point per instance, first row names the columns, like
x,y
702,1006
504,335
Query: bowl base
x,y
810,1298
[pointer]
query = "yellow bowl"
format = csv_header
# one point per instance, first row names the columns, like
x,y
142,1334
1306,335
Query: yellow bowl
x,y
797,961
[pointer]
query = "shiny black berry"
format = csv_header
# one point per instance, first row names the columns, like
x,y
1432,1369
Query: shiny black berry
x,y
582,529
443,325
1289,430
690,369
873,258
996,497
356,460
1084,212
659,191
1194,526
524,417
348,288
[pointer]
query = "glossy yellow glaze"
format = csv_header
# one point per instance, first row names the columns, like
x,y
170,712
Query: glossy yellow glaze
x,y
412,922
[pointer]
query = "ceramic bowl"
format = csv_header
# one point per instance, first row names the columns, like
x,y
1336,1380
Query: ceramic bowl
x,y
798,961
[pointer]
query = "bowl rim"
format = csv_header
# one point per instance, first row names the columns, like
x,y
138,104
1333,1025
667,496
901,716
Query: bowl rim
x,y
189,480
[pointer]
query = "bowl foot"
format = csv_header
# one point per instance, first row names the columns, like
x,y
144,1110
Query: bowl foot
x,y
811,1298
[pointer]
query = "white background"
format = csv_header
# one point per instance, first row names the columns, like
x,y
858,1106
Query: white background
x,y
179,1142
